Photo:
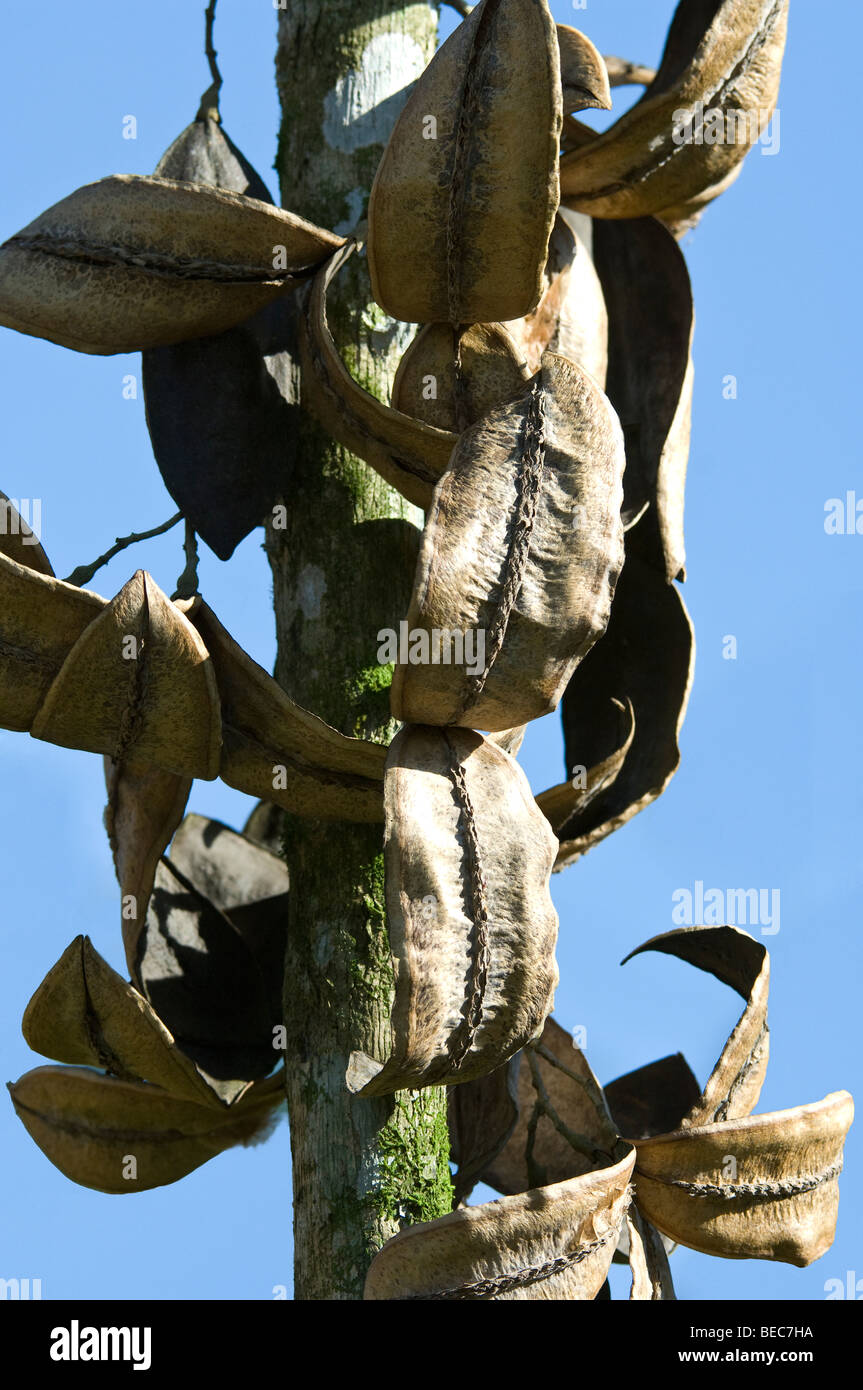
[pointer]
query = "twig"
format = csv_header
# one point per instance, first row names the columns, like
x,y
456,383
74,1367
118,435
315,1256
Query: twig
x,y
463,9
187,584
84,573
624,74
210,100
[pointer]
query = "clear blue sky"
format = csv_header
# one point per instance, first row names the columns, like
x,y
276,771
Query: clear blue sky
x,y
768,794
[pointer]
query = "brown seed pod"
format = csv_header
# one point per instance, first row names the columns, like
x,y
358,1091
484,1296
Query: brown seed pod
x,y
41,619
471,922
645,657
465,195
571,798
650,375
782,1201
571,317
274,749
19,542
450,377
84,1012
553,1242
138,686
481,1116
654,1099
134,262
742,963
725,55
583,74
410,455
92,1126
222,410
522,546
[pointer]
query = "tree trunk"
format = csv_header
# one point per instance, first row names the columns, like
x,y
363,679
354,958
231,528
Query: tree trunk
x,y
342,570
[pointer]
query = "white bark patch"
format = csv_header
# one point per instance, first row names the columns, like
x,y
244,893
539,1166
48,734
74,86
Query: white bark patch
x,y
311,587
362,107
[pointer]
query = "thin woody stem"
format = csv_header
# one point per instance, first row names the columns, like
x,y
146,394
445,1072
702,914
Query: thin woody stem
x,y
210,100
622,73
84,573
463,9
187,584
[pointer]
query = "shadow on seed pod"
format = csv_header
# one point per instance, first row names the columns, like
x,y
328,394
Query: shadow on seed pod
x,y
222,410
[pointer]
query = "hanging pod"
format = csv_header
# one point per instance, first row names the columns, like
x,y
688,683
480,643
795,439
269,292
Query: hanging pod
x,y
221,410
449,378
685,139
466,192
520,555
550,1243
471,922
134,262
583,74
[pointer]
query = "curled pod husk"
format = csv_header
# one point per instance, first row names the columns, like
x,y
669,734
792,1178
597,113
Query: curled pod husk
x,y
210,957
450,377
571,317
742,963
409,454
780,1204
41,619
646,657
470,917
221,410
274,749
724,54
85,1013
135,262
461,210
522,546
19,542
648,1260
138,685
559,804
92,1127
650,375
583,74
553,1242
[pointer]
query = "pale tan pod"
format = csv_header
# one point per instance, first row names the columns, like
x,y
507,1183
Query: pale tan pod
x,y
521,548
469,372
268,740
138,685
510,740
84,1012
144,808
637,167
648,1261
135,262
18,540
41,619
90,1126
410,455
583,74
553,1242
571,316
471,922
742,963
459,223
782,1202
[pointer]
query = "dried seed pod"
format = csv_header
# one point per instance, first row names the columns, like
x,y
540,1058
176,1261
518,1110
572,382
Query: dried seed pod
x,y
265,826
143,811
510,740
138,686
553,1242
646,657
522,545
84,1012
274,749
41,619
92,1126
571,317
221,410
781,1203
471,922
721,67
481,1116
133,262
459,223
211,957
555,1084
559,804
651,1276
742,963
410,455
18,540
583,74
450,377
650,374
653,1099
